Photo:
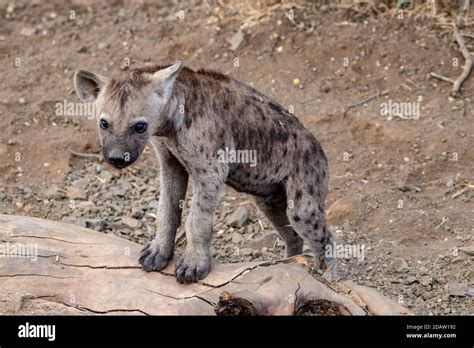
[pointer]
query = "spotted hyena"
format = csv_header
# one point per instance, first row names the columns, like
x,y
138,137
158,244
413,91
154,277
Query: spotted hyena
x,y
191,117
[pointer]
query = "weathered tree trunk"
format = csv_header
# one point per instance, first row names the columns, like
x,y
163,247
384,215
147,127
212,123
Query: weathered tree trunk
x,y
49,267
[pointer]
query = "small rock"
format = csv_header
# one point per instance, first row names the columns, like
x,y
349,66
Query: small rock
x,y
82,183
426,282
246,251
22,100
239,217
121,190
11,141
125,64
95,224
82,49
27,31
236,40
256,253
264,250
76,193
267,240
87,205
101,45
457,289
237,238
469,250
130,222
55,193
424,270
137,213
411,279
400,265
450,182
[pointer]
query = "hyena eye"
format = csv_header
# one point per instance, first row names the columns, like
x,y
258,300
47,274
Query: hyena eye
x,y
140,127
104,124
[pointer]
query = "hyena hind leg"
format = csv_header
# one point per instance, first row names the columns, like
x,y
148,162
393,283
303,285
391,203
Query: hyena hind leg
x,y
274,208
307,217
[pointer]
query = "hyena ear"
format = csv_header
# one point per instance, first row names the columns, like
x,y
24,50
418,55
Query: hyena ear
x,y
164,78
88,85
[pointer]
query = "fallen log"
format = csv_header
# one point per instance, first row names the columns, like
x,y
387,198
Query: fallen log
x,y
54,268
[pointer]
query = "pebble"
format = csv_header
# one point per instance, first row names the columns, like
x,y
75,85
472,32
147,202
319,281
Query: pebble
x,y
423,270
236,40
82,183
236,238
27,31
101,45
245,251
456,289
239,217
55,193
267,240
96,224
130,222
76,193
399,265
87,205
137,213
468,250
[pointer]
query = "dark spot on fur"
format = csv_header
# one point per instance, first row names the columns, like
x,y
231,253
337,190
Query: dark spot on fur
x,y
296,218
311,190
275,107
316,225
298,194
187,122
306,156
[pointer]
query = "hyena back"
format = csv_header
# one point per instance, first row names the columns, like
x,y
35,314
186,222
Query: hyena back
x,y
192,116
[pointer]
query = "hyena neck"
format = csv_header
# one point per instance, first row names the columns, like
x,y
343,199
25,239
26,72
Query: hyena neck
x,y
171,117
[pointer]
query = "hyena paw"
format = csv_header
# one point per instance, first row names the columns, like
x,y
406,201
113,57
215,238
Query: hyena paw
x,y
192,267
152,259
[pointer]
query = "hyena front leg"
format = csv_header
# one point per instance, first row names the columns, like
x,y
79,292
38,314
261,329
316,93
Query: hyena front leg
x,y
173,183
196,261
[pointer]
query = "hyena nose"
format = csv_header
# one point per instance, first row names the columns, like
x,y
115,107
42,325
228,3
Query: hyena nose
x,y
118,161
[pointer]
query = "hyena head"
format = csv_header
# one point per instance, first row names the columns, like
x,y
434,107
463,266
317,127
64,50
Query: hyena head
x,y
129,110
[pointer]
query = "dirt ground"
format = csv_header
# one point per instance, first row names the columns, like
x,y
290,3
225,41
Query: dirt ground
x,y
399,186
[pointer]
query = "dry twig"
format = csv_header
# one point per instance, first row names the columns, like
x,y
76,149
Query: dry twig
x,y
362,102
87,155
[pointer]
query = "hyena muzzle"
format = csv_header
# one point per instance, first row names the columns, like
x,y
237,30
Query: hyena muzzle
x,y
190,117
